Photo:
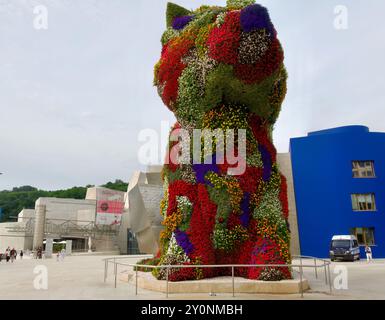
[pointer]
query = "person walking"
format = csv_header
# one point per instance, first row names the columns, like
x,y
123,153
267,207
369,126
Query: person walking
x,y
21,254
369,256
62,254
7,255
12,255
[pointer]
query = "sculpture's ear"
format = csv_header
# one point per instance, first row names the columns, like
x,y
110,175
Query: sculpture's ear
x,y
173,10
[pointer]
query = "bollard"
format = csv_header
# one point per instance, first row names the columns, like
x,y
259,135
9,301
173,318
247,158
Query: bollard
x,y
326,276
105,270
232,274
115,272
301,276
166,282
136,281
330,280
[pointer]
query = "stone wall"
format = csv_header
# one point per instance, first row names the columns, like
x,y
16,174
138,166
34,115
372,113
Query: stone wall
x,y
284,162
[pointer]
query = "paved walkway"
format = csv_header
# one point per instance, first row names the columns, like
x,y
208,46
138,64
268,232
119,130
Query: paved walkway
x,y
81,277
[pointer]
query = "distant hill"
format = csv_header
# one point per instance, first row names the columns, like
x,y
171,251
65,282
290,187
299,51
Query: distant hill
x,y
17,199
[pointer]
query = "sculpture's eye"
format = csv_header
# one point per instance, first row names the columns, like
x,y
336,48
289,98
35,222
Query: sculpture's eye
x,y
180,22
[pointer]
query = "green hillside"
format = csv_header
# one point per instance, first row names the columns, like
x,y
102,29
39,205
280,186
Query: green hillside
x,y
17,199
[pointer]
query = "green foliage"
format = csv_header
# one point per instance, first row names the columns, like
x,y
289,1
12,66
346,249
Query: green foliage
x,y
271,274
24,189
186,208
173,10
222,200
169,34
239,4
227,240
223,87
189,108
118,185
147,262
12,202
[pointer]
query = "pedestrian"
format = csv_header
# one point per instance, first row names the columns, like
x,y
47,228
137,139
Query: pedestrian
x,y
62,255
21,254
7,255
369,256
12,255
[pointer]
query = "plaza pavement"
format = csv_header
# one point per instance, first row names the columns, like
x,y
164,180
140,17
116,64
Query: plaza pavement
x,y
81,277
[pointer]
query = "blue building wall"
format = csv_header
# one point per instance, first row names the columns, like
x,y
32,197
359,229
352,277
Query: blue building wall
x,y
323,183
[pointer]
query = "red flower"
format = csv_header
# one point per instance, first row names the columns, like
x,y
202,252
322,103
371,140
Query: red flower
x,y
266,252
265,67
233,221
283,197
223,41
171,68
180,188
201,228
251,179
261,135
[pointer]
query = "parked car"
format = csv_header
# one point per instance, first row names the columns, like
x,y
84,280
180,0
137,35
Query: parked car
x,y
345,248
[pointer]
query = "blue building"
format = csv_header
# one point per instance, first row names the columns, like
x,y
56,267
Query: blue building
x,y
339,183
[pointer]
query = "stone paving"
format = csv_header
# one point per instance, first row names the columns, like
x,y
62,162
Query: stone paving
x,y
81,277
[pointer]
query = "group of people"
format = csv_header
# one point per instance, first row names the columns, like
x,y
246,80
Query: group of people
x,y
11,255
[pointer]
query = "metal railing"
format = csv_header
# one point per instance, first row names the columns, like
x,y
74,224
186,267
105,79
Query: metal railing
x,y
316,263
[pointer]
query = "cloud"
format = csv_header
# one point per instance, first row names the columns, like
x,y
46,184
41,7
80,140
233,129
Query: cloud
x,y
75,97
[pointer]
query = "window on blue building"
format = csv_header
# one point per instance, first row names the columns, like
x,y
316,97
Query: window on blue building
x,y
363,169
365,236
364,202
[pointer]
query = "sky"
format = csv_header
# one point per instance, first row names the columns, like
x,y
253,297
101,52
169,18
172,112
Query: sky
x,y
74,97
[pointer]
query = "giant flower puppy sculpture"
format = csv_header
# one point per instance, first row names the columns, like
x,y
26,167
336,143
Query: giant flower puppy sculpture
x,y
222,68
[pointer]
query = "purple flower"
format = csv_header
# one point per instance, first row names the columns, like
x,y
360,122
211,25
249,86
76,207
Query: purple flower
x,y
245,217
183,241
267,163
202,169
180,22
256,17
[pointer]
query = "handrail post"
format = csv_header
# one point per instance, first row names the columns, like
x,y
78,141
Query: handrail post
x,y
326,275
301,276
166,281
105,270
315,268
330,280
136,281
115,272
232,275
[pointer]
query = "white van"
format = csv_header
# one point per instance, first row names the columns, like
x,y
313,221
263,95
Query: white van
x,y
345,248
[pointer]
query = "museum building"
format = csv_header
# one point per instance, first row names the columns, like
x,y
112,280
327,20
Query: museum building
x,y
339,183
